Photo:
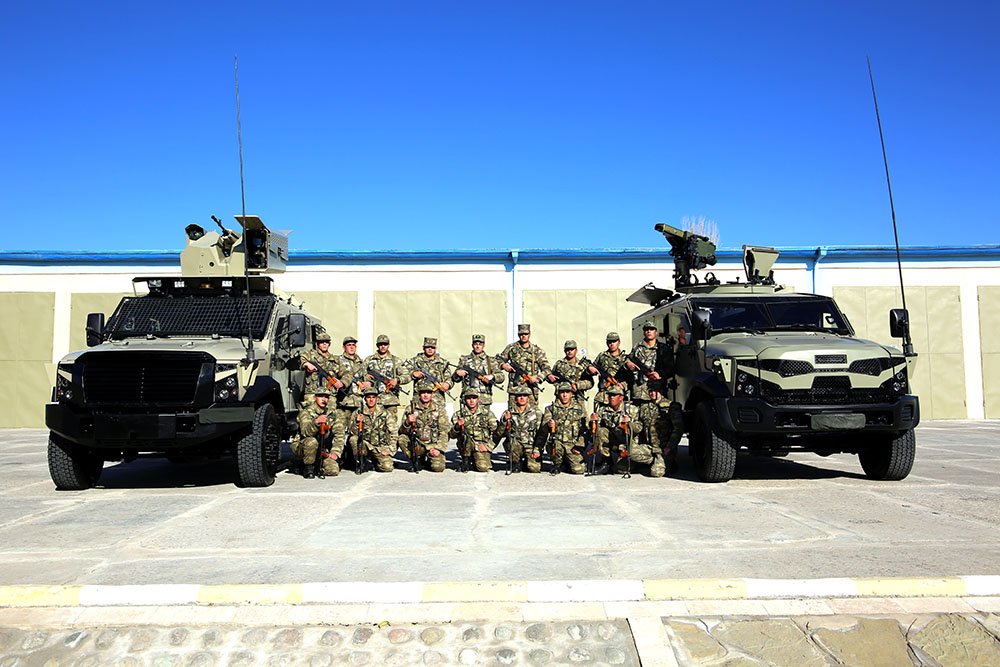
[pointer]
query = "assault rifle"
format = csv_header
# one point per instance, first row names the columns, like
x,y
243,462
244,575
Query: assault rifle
x,y
550,445
361,451
438,385
416,450
592,452
323,450
327,379
643,367
477,375
508,445
463,460
626,451
520,370
378,377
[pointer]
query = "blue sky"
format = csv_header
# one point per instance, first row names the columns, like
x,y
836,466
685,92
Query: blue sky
x,y
435,125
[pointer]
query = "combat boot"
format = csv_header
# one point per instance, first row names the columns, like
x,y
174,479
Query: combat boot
x,y
307,472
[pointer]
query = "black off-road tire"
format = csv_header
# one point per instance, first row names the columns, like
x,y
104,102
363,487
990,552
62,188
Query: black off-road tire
x,y
257,452
890,458
713,452
71,467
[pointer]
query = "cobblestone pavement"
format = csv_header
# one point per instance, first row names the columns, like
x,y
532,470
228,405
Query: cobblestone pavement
x,y
945,640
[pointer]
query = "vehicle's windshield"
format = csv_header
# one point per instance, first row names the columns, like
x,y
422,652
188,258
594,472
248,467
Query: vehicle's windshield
x,y
189,316
759,313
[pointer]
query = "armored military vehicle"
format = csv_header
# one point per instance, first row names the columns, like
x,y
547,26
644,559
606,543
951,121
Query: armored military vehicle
x,y
766,370
203,364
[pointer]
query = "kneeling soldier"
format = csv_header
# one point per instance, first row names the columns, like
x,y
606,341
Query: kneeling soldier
x,y
563,425
372,435
473,425
521,425
667,428
424,430
618,426
320,435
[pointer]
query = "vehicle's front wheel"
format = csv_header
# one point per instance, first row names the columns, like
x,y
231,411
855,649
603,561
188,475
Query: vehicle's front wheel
x,y
71,467
257,451
890,457
713,452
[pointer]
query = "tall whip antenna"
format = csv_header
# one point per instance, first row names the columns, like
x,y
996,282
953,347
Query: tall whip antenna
x,y
250,359
907,341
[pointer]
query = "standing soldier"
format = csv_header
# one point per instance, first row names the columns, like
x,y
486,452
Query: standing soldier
x,y
526,363
473,425
385,371
424,429
520,425
319,435
650,361
348,365
479,371
563,425
618,426
570,369
610,365
429,365
318,362
667,425
372,435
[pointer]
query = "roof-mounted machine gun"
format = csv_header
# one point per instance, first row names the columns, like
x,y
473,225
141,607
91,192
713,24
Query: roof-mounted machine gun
x,y
757,263
258,250
691,252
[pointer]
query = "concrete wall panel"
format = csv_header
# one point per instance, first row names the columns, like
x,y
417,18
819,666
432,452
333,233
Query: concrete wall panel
x,y
989,329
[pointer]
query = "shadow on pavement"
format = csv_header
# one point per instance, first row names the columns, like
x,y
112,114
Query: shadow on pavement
x,y
769,467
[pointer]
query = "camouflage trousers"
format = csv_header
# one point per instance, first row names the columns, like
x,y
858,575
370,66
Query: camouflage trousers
x,y
434,463
479,455
645,454
306,449
517,453
569,453
381,458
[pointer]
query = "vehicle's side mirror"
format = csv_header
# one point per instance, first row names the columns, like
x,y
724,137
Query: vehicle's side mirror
x,y
95,329
701,323
296,330
899,322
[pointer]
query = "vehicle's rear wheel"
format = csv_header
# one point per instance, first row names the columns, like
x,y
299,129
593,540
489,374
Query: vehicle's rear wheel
x,y
713,451
71,467
889,457
257,451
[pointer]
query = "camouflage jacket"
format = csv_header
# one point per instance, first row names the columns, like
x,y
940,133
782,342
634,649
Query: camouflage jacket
x,y
660,358
524,427
438,366
479,425
308,428
571,422
609,418
531,358
377,427
391,366
349,371
325,361
611,367
483,364
431,427
575,373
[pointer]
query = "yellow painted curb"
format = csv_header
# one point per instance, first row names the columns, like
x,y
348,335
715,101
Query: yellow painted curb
x,y
251,594
39,596
475,591
910,587
694,589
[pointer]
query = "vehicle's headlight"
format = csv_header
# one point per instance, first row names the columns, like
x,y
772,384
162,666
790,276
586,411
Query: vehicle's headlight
x,y
898,384
226,389
64,388
747,381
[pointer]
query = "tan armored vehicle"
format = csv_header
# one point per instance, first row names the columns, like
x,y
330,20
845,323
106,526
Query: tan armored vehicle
x,y
766,370
205,363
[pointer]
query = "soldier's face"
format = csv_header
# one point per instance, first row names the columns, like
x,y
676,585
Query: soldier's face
x,y
565,396
477,346
323,346
570,353
350,348
521,401
371,400
613,345
429,351
382,348
472,402
524,338
649,334
615,400
321,400
425,396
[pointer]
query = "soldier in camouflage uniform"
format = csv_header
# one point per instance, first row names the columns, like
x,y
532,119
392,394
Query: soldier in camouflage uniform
x,y
610,365
317,423
667,419
473,425
431,362
315,362
348,366
372,435
657,362
618,428
386,363
426,423
564,424
531,358
521,425
570,369
486,373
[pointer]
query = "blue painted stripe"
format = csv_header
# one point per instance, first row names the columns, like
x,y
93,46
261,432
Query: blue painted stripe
x,y
526,256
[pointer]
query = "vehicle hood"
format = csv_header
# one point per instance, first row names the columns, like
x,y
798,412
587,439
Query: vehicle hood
x,y
793,344
224,349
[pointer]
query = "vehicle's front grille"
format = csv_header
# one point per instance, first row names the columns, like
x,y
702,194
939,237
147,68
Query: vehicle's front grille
x,y
143,378
786,368
825,391
830,358
866,366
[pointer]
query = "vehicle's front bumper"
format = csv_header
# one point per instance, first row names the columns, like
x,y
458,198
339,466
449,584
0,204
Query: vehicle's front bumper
x,y
748,415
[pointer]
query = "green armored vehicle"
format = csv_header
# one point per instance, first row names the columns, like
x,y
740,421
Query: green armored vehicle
x,y
204,364
770,371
